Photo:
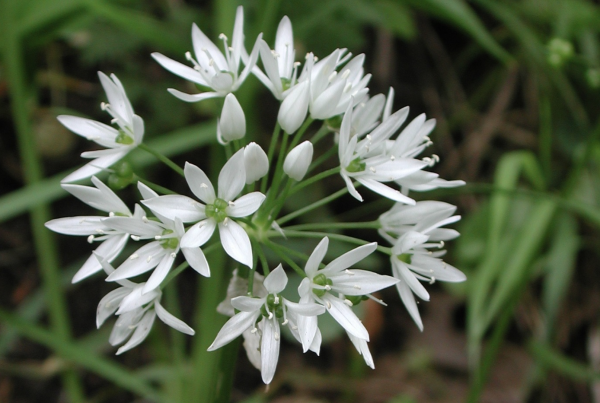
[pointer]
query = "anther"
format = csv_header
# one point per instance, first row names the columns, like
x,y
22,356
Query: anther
x,y
203,185
134,256
328,305
157,238
90,239
348,272
148,259
432,280
294,327
285,322
104,106
254,330
392,158
100,231
372,170
145,219
328,287
222,36
346,74
270,315
274,53
135,237
173,255
111,214
356,286
188,56
442,244
276,336
276,300
231,204
226,221
348,302
332,76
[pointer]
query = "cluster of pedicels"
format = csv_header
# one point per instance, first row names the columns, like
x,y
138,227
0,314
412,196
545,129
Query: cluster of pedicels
x,y
246,213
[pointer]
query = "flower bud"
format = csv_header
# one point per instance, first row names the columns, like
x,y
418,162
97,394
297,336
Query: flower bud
x,y
297,161
232,125
256,163
294,108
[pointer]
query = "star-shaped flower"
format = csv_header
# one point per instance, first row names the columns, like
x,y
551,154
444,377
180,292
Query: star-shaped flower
x,y
218,209
118,141
214,69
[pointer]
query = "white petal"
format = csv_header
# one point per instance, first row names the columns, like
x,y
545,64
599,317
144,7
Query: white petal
x,y
90,129
307,329
140,333
408,299
345,317
109,304
316,257
180,69
349,258
233,328
294,108
385,190
134,225
193,97
146,192
305,309
247,304
198,234
351,187
233,121
245,205
203,47
401,271
81,226
159,273
232,177
298,160
182,207
269,349
196,259
256,163
97,165
199,183
360,282
109,250
276,281
236,242
136,299
363,349
144,259
171,320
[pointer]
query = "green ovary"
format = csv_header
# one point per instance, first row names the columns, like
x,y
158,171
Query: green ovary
x,y
169,243
217,210
124,138
356,166
323,281
275,307
405,257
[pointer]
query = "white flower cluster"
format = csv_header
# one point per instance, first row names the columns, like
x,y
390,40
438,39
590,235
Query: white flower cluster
x,y
251,191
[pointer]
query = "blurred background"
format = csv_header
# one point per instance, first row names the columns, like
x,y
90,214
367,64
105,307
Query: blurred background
x,y
514,86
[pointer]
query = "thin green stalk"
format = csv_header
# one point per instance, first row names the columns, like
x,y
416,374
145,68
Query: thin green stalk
x,y
320,134
299,134
263,262
314,179
334,225
324,157
312,206
45,246
162,159
177,345
280,201
279,251
175,272
337,237
272,145
73,352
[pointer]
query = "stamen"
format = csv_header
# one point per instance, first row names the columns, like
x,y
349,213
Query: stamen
x,y
276,300
346,74
332,76
189,57
104,106
274,53
226,221
173,255
157,238
348,272
328,287
90,239
295,327
392,158
100,231
145,219
285,322
231,204
134,256
328,304
348,302
111,214
276,336
135,237
254,330
432,280
203,185
356,286
372,170
148,259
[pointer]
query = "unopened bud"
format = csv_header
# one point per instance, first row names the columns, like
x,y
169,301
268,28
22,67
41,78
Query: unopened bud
x,y
232,125
256,163
298,160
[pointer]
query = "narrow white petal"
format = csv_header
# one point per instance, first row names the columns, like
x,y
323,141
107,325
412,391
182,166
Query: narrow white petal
x,y
195,257
349,258
360,282
182,207
171,320
144,259
232,177
247,304
134,225
236,242
96,166
294,108
408,299
179,69
90,129
109,304
109,250
193,97
198,234
269,350
245,205
140,333
385,190
233,328
316,257
345,317
81,226
159,273
199,183
276,281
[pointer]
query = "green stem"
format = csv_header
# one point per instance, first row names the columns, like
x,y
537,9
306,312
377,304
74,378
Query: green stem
x,y
45,247
324,157
300,133
272,145
335,225
337,237
279,202
263,261
283,254
312,206
314,179
163,159
320,134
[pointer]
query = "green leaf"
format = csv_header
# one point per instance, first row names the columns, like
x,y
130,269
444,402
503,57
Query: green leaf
x,y
562,364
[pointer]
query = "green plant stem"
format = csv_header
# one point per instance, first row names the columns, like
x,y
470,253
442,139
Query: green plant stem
x,y
300,133
163,159
323,130
338,237
334,225
272,145
45,246
263,262
314,179
283,254
324,157
312,206
81,356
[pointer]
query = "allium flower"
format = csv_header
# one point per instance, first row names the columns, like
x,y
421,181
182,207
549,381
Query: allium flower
x,y
366,160
113,241
336,286
280,66
212,68
298,160
269,310
256,162
219,209
136,310
414,231
119,141
159,254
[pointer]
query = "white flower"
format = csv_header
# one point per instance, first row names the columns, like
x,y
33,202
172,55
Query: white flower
x,y
362,348
232,125
256,163
212,68
334,286
113,241
159,254
136,310
366,160
280,67
219,209
269,310
414,230
118,141
298,160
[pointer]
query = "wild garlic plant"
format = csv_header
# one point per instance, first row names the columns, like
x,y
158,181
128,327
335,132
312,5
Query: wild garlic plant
x,y
362,146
